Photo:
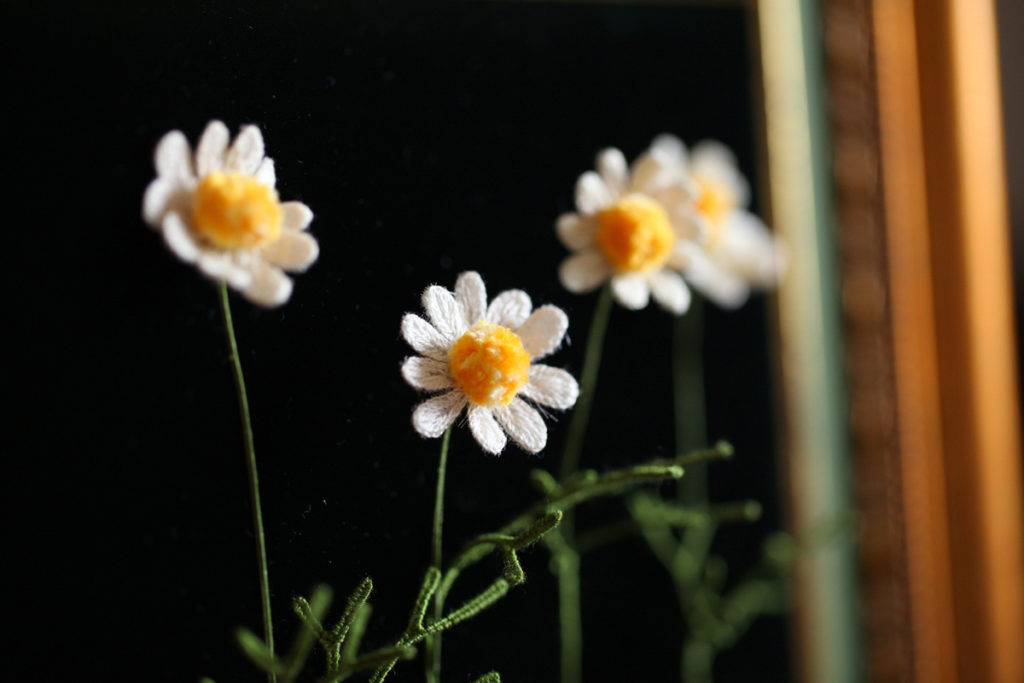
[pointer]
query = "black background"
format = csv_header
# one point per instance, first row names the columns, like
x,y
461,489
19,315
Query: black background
x,y
428,141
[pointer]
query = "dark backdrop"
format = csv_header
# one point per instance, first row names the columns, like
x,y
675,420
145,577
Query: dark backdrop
x,y
428,141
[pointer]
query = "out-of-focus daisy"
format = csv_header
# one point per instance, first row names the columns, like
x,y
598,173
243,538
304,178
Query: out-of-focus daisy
x,y
218,209
738,251
483,357
630,225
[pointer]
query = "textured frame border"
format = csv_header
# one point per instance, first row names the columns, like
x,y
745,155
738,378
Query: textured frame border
x,y
931,350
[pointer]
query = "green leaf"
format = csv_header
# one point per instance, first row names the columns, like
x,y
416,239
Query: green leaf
x,y
257,651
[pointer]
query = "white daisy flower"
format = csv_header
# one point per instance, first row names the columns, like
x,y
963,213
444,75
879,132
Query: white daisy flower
x,y
738,252
483,357
630,225
219,210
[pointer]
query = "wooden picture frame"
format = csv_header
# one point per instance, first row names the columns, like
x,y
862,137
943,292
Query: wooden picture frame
x,y
931,354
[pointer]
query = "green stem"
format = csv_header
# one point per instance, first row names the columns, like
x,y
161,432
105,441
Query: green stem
x,y
691,431
250,466
570,612
566,561
689,399
432,659
698,660
588,383
442,464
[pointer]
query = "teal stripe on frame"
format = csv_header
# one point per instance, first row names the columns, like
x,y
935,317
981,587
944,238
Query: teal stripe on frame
x,y
810,327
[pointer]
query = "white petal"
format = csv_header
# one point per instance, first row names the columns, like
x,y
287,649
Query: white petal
x,y
486,431
265,173
714,281
670,291
178,238
647,174
543,331
471,295
698,227
173,158
210,150
677,260
444,313
716,162
423,337
592,194
689,226
523,424
676,197
426,373
749,249
246,153
661,165
154,202
435,415
669,149
576,231
584,272
294,251
708,154
632,290
510,309
614,170
220,266
269,287
552,387
297,216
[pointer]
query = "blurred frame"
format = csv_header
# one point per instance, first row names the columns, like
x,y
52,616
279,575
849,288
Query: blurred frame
x,y
921,209
814,416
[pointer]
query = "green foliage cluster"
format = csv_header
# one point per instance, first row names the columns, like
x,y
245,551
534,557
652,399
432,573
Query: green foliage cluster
x,y
341,642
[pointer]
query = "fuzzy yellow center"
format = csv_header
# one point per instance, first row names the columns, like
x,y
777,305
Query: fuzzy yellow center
x,y
236,211
635,234
715,202
489,364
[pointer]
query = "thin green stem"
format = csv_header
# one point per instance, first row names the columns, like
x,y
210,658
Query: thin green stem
x,y
588,383
689,400
691,432
566,561
250,466
432,658
442,464
570,608
529,524
698,661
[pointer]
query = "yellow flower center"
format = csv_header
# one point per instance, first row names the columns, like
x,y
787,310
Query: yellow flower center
x,y
489,364
635,234
715,202
236,211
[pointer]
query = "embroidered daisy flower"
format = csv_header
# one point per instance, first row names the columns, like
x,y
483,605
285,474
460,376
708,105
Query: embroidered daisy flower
x,y
219,210
738,251
630,225
481,358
